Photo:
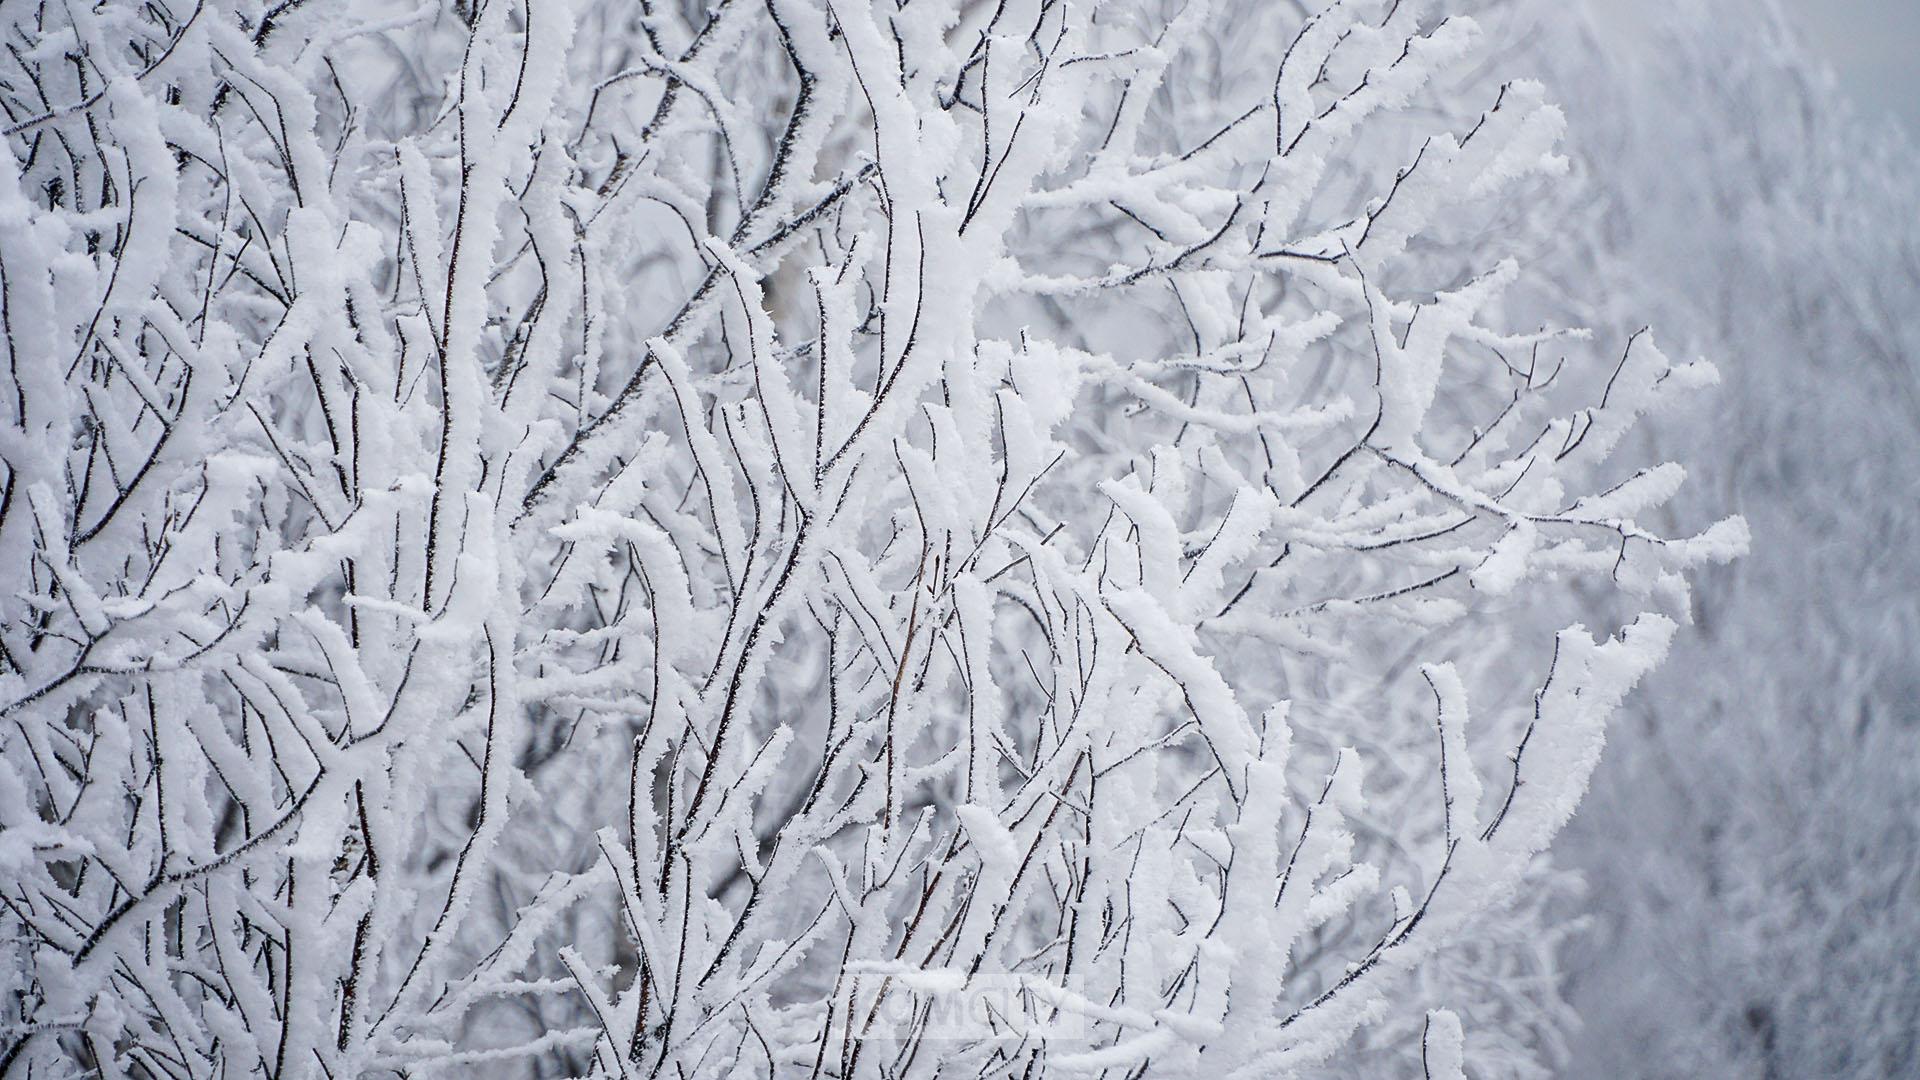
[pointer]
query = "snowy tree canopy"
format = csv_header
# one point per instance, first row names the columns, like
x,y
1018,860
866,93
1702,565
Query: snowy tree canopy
x,y
552,537
1750,845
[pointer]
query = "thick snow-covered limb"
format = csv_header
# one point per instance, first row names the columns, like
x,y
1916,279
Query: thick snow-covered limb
x,y
1441,1054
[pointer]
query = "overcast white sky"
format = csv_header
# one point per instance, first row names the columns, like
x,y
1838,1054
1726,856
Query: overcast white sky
x,y
1874,46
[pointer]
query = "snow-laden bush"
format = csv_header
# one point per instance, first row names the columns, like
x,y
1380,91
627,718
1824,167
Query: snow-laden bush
x,y
1751,839
594,539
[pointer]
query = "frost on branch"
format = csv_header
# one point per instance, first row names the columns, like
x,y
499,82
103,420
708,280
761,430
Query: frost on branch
x,y
565,538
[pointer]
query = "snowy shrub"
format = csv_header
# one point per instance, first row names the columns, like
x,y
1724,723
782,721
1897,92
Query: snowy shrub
x,y
1762,916
595,539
